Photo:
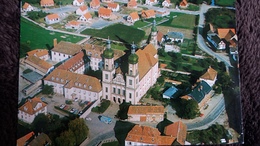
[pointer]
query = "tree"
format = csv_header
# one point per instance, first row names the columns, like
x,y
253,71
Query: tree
x,y
47,89
40,123
187,109
67,138
123,109
160,80
79,130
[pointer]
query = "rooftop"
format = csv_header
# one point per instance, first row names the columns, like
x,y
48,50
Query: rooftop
x,y
146,109
67,48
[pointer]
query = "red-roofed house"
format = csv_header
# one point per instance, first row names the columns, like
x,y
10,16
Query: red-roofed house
x,y
23,140
78,2
210,76
132,4
72,25
177,130
166,3
146,14
113,6
40,53
85,18
30,109
184,4
133,17
52,18
27,7
82,10
38,65
94,4
151,2
47,3
104,13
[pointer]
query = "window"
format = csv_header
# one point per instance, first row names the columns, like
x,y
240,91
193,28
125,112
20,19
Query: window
x,y
114,90
64,55
130,95
118,91
106,97
106,89
131,72
130,82
106,76
124,92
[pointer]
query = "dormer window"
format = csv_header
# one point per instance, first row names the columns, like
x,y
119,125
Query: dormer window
x,y
90,87
79,84
57,79
84,86
62,80
76,84
52,78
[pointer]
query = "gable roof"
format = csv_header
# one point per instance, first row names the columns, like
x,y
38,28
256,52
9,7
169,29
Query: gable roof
x,y
73,23
73,63
199,92
29,106
87,15
104,11
21,141
95,3
38,63
52,16
145,109
132,3
112,5
148,135
177,130
210,74
148,13
67,48
74,80
26,5
134,15
43,2
226,33
83,8
42,139
159,36
38,52
183,3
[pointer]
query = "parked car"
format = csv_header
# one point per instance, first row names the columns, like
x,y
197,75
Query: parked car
x,y
105,119
72,110
76,99
62,106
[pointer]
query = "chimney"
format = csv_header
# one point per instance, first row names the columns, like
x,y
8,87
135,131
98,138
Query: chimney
x,y
54,42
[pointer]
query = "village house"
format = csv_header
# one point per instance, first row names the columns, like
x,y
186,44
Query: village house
x,y
210,76
78,2
113,6
74,86
94,4
162,12
184,4
174,36
27,7
87,17
107,1
74,64
170,47
47,3
151,2
160,37
146,113
41,139
214,39
177,130
22,141
82,10
30,109
104,13
72,25
171,92
38,65
146,135
33,79
132,4
52,18
146,14
64,50
166,3
133,17
226,33
40,53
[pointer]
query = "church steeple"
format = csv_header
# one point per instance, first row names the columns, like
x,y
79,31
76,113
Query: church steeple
x,y
108,53
154,35
133,58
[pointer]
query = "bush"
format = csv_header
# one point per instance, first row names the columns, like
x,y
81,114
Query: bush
x,y
68,102
102,108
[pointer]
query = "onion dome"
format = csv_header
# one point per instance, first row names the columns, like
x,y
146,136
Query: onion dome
x,y
108,53
154,29
133,58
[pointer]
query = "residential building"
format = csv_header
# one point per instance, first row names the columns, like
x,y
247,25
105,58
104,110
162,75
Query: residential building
x,y
64,50
133,17
82,10
226,33
146,135
75,64
210,76
146,14
151,2
38,65
104,13
94,4
174,36
52,18
170,47
166,3
41,140
162,12
22,141
160,37
78,2
171,92
107,1
34,81
184,4
72,25
30,109
214,39
47,3
146,113
40,53
132,4
27,7
113,6
177,130
87,17
72,85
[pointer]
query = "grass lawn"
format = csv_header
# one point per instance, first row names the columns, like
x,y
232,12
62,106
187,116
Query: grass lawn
x,y
181,21
225,3
192,7
139,24
114,143
118,32
36,37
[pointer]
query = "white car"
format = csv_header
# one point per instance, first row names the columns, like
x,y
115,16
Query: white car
x,y
62,106
76,99
88,119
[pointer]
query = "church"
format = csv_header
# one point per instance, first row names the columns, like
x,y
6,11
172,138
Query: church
x,y
142,72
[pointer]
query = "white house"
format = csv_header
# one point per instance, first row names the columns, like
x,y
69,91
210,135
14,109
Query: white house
x,y
47,3
166,3
171,48
146,113
175,36
94,4
162,12
72,25
85,17
30,109
151,2
52,18
82,10
133,17
78,2
27,7
210,76
104,13
113,6
132,4
40,53
107,1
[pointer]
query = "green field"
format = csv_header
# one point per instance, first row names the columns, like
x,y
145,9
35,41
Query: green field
x,y
181,21
35,37
229,3
118,32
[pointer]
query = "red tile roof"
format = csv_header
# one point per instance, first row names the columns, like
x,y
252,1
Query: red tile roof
x,y
83,8
87,15
38,52
38,63
226,33
177,130
52,16
21,141
80,1
183,3
95,3
159,36
73,23
26,5
145,110
73,63
112,5
134,15
47,2
29,107
148,13
148,135
67,48
132,3
210,74
104,11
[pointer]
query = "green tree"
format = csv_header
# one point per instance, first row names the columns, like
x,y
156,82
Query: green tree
x,y
187,109
79,130
40,123
67,138
47,89
123,109
160,80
